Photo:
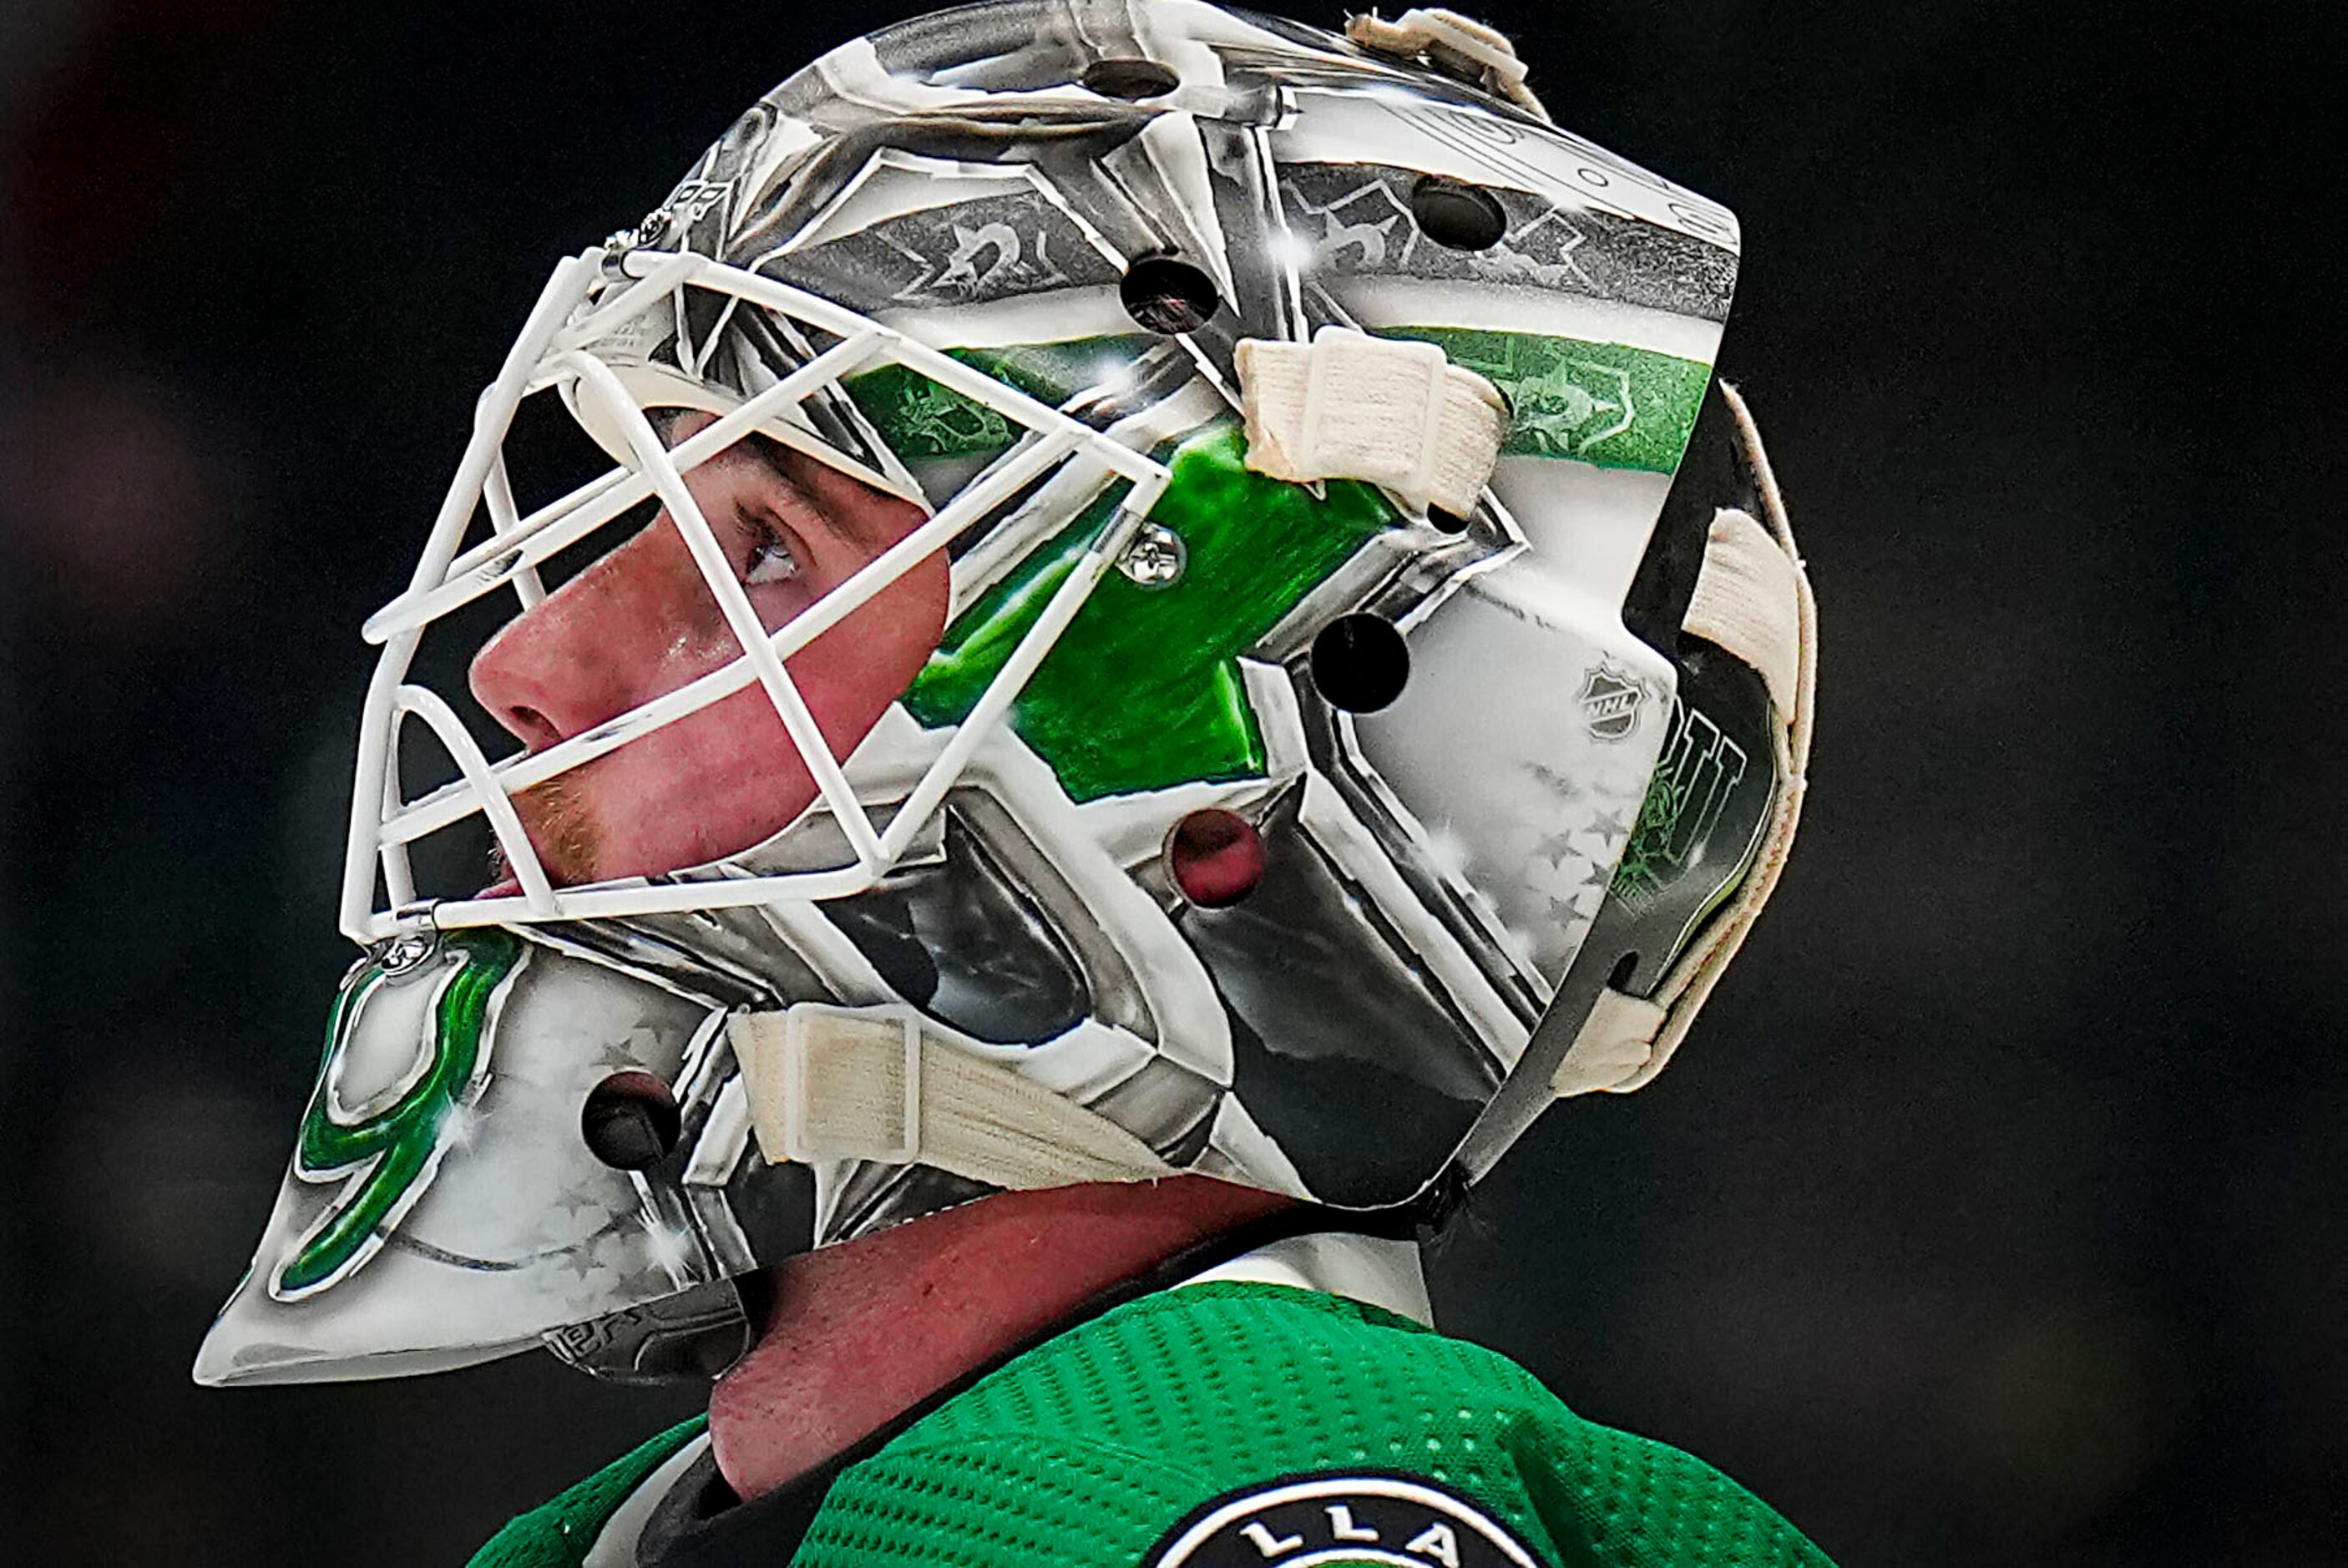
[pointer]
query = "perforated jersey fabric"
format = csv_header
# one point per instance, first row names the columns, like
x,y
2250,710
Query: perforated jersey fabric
x,y
1087,1450
559,1533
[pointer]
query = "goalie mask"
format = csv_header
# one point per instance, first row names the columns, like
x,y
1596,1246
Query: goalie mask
x,y
1137,609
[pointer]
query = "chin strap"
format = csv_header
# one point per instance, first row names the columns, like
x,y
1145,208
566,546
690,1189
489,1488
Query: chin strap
x,y
1389,411
1459,46
876,1083
1753,600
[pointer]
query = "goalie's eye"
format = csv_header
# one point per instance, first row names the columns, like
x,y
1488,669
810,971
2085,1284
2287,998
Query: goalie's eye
x,y
772,558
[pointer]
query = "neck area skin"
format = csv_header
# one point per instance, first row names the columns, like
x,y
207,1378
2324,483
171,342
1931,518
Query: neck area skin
x,y
864,1330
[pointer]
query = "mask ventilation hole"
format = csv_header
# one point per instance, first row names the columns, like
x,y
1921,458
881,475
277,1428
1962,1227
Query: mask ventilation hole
x,y
630,1122
1448,522
1168,295
1360,662
1215,857
1129,79
1456,214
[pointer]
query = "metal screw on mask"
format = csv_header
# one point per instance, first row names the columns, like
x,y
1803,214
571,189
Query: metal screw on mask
x,y
1217,857
406,953
1156,557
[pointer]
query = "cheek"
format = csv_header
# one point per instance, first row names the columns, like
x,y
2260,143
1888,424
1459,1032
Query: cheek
x,y
702,788
852,673
729,777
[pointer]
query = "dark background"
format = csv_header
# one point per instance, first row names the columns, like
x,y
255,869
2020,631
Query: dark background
x,y
1992,1215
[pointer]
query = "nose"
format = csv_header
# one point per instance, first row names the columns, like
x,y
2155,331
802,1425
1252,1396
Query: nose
x,y
599,645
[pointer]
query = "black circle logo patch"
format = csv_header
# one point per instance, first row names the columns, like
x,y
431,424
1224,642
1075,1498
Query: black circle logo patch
x,y
1328,1519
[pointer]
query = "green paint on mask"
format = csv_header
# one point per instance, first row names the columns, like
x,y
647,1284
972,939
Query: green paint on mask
x,y
1695,779
1143,689
386,1160
923,419
1606,404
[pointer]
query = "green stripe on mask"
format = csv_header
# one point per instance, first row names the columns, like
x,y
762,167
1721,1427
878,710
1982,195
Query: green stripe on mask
x,y
1607,404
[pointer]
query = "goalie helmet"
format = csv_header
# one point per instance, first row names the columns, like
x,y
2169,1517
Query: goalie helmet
x,y
1278,705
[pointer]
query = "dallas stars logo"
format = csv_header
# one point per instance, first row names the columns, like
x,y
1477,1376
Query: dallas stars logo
x,y
1357,228
986,259
1342,1518
1575,404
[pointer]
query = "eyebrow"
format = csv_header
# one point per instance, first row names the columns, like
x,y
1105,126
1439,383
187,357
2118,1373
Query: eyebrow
x,y
776,459
863,527
781,463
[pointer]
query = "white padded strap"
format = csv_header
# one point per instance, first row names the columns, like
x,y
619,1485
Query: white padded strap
x,y
1690,981
872,1083
1749,601
1455,45
1616,1041
1394,413
1758,606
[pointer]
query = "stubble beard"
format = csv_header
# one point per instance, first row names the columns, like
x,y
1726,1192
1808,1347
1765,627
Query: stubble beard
x,y
563,830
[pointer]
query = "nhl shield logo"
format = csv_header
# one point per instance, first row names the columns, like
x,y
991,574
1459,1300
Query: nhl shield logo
x,y
1610,699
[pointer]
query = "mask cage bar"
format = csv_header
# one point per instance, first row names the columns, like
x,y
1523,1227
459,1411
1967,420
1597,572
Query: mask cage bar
x,y
550,354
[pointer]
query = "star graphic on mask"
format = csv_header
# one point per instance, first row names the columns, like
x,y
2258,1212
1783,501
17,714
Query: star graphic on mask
x,y
647,1285
616,1250
620,1055
579,1214
583,1197
593,1291
1564,785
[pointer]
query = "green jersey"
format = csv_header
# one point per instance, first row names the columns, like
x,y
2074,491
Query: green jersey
x,y
1214,1424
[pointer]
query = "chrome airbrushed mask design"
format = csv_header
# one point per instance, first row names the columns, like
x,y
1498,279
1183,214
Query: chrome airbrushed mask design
x,y
915,261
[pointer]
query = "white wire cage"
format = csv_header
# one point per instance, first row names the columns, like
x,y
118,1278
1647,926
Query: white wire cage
x,y
555,353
